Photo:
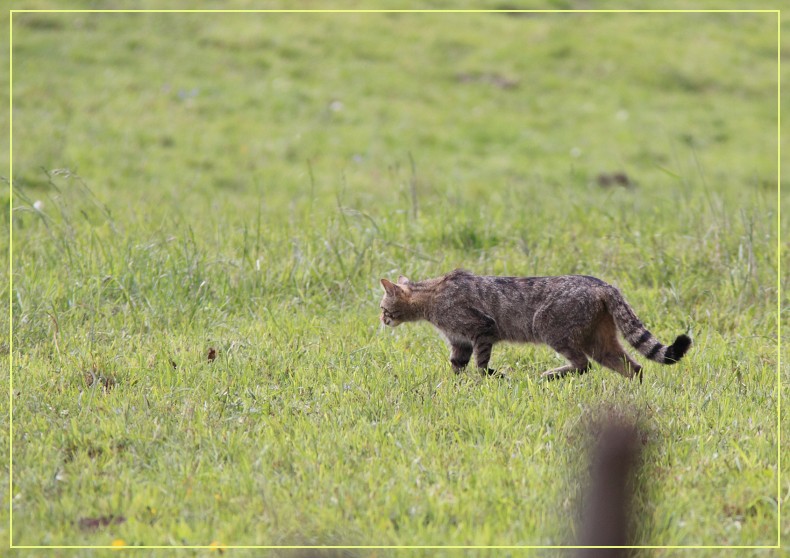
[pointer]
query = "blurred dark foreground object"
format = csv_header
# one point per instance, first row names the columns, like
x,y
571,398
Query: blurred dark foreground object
x,y
607,180
607,518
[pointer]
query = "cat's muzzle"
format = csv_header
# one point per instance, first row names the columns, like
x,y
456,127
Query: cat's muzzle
x,y
387,321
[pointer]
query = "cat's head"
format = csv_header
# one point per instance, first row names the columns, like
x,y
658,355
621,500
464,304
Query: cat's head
x,y
396,305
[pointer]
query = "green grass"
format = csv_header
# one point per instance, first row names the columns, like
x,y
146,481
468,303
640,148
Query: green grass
x,y
242,182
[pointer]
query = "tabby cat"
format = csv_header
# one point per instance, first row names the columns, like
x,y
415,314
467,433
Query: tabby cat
x,y
576,315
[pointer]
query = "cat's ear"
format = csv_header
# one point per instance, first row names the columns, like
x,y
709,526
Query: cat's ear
x,y
403,280
390,287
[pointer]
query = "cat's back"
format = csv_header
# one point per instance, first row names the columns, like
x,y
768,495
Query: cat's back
x,y
489,292
518,297
482,284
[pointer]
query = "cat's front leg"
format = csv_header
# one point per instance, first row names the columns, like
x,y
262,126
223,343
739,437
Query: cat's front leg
x,y
460,354
482,351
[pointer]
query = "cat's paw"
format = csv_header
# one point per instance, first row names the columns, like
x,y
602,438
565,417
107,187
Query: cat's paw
x,y
562,372
491,373
551,375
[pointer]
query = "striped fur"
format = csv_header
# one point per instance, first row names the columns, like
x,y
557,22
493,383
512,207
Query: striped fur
x,y
577,315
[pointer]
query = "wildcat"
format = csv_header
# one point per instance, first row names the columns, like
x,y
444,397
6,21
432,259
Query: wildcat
x,y
576,315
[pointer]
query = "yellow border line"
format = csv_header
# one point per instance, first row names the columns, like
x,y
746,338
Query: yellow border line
x,y
350,11
448,547
10,279
779,280
391,547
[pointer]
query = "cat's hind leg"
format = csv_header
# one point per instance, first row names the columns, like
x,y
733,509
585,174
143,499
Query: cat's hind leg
x,y
622,363
607,350
579,364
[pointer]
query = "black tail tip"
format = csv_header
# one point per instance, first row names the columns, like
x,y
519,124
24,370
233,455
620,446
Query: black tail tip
x,y
677,349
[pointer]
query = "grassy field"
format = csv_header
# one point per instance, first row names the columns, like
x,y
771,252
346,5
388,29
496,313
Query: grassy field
x,y
237,184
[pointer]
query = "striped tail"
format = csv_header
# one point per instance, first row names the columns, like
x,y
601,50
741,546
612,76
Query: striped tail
x,y
637,334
